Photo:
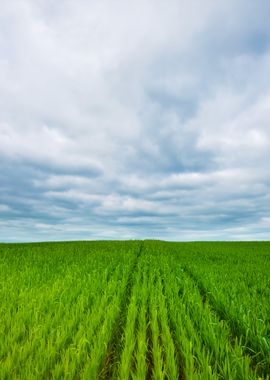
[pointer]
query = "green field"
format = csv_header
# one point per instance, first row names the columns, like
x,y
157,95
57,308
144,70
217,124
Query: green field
x,y
135,310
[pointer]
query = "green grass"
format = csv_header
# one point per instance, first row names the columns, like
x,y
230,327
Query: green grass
x,y
135,310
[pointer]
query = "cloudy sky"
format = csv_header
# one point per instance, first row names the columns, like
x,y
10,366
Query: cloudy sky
x,y
143,119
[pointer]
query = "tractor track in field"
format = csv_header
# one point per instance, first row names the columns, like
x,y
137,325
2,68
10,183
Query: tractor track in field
x,y
196,327
149,353
178,354
236,328
114,346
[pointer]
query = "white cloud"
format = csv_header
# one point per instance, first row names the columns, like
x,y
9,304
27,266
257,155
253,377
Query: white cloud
x,y
135,109
4,208
63,181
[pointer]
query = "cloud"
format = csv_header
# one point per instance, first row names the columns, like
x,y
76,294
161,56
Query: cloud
x,y
4,208
134,120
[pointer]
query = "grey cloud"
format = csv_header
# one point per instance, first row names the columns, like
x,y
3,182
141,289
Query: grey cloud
x,y
134,121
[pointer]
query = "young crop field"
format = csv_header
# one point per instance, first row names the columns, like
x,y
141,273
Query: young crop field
x,y
135,310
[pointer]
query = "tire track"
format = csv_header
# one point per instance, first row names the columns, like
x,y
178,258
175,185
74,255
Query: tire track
x,y
237,330
178,354
109,366
149,353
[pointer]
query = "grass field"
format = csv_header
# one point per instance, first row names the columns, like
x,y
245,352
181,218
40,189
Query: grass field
x,y
135,310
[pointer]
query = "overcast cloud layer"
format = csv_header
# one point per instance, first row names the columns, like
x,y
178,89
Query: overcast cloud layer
x,y
144,119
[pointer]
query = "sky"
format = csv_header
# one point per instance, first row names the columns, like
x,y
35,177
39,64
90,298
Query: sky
x,y
133,120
